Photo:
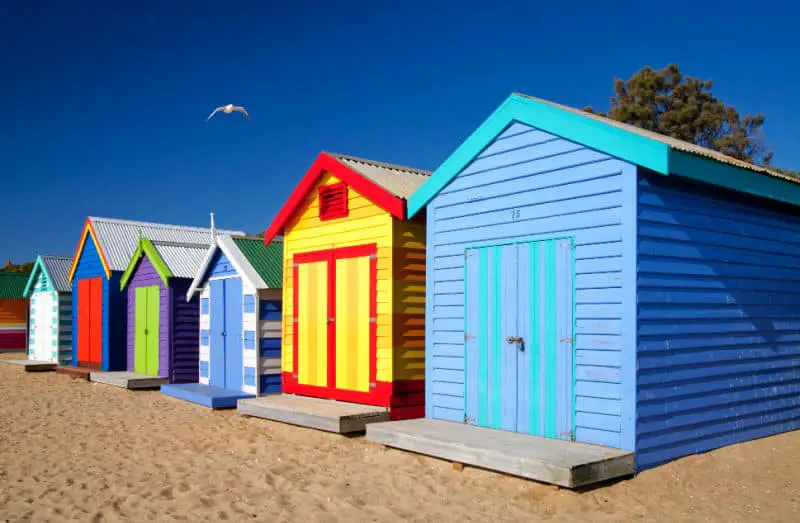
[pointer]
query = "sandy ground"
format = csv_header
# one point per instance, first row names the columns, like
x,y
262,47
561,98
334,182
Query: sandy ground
x,y
73,450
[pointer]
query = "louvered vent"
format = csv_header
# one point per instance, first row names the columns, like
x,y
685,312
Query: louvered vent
x,y
333,201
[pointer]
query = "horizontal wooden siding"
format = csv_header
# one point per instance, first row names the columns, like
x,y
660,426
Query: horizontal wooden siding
x,y
718,330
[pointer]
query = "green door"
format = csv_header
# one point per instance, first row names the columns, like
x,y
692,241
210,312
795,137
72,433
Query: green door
x,y
145,346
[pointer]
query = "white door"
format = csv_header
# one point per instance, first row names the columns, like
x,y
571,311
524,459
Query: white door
x,y
44,327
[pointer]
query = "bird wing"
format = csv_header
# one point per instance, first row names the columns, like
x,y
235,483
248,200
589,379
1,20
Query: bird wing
x,y
215,111
242,110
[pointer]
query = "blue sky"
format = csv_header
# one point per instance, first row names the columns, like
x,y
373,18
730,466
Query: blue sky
x,y
104,107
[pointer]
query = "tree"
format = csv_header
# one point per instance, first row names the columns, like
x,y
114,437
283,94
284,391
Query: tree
x,y
23,267
682,107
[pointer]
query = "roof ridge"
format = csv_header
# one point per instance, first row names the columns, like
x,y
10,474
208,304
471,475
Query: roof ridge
x,y
169,243
665,139
377,163
254,238
53,256
123,221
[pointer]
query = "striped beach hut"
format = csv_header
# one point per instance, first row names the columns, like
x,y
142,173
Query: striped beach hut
x,y
13,311
239,288
50,333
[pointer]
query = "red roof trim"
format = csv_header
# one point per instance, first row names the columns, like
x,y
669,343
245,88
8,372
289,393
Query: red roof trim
x,y
363,186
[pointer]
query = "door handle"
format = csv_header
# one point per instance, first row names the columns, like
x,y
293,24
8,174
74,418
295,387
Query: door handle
x,y
518,340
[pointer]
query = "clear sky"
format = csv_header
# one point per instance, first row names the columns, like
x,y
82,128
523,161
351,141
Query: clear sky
x,y
104,107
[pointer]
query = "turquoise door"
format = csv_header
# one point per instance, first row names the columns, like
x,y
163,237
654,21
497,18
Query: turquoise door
x,y
519,337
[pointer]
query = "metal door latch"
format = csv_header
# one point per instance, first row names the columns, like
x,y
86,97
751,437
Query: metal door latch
x,y
514,339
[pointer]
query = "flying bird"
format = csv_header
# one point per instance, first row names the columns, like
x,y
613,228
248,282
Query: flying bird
x,y
228,109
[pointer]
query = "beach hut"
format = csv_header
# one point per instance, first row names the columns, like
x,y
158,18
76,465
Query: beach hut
x,y
13,311
163,328
99,304
353,292
592,282
50,295
238,283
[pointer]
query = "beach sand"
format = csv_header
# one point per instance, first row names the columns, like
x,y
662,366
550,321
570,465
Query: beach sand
x,y
74,450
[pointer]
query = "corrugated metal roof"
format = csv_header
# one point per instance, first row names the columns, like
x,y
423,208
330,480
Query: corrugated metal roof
x,y
267,261
674,143
12,285
57,268
182,259
397,179
118,238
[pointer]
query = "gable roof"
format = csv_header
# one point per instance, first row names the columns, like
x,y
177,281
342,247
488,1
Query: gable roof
x,y
386,185
169,259
659,153
12,285
258,264
56,268
116,240
266,260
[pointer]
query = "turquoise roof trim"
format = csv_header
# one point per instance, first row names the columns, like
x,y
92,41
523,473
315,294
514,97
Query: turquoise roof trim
x,y
38,266
732,177
605,137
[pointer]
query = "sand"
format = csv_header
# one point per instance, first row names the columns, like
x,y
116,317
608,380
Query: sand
x,y
74,450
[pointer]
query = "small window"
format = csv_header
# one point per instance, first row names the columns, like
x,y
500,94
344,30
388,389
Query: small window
x,y
333,201
249,303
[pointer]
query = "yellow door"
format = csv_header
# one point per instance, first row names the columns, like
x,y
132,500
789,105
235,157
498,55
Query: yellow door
x,y
312,323
353,323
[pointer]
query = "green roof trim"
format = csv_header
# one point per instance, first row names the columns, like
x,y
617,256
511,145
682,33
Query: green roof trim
x,y
267,261
12,285
147,248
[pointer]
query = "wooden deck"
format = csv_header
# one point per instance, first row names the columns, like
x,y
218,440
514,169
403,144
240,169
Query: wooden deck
x,y
128,380
31,365
211,397
74,372
315,413
564,463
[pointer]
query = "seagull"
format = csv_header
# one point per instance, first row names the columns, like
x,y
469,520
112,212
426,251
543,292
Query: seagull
x,y
228,109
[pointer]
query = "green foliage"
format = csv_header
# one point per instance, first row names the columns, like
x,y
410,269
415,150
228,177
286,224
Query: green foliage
x,y
22,267
682,107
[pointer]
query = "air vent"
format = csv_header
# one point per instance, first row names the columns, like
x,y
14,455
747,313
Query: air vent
x,y
333,201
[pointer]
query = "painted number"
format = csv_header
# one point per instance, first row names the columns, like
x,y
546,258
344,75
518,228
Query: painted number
x,y
515,214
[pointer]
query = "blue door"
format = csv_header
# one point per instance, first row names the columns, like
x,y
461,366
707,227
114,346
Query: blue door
x,y
226,334
519,337
233,334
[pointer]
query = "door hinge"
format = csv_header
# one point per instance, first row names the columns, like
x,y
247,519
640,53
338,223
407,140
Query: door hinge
x,y
372,385
569,434
566,340
294,376
373,256
466,338
373,319
294,320
295,265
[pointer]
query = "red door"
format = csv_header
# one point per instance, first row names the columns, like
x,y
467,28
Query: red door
x,y
90,321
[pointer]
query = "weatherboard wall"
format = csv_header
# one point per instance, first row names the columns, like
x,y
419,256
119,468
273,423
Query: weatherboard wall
x,y
114,309
528,185
184,330
718,321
